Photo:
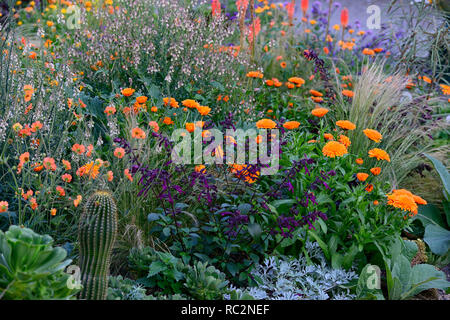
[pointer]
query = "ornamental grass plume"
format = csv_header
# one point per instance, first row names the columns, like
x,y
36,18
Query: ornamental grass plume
x,y
403,124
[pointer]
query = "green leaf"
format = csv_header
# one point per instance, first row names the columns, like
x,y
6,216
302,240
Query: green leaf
x,y
430,214
155,268
424,277
255,230
443,173
153,217
321,243
369,284
437,238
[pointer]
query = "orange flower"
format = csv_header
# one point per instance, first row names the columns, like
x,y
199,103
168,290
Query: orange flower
x,y
369,187
200,168
66,178
403,201
49,164
127,92
33,203
373,135
379,154
290,85
127,174
345,140
359,161
154,109
348,93
110,176
141,99
171,101
269,83
376,202
67,165
4,206
361,176
119,153
60,191
53,212
315,93
138,133
190,103
167,120
319,112
77,201
291,125
190,127
255,74
346,125
344,17
154,125
78,148
297,80
328,136
110,110
283,64
203,110
334,149
426,79
266,124
375,171
368,52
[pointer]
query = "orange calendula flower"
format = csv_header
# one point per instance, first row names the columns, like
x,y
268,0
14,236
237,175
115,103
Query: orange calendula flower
x,y
154,109
269,83
379,154
127,92
345,140
375,171
319,112
110,175
283,64
53,212
369,187
361,176
190,103
359,161
373,135
403,200
141,99
328,136
200,168
190,127
346,125
368,52
334,149
4,206
316,93
167,120
348,93
266,124
290,125
138,133
255,74
119,153
297,80
203,110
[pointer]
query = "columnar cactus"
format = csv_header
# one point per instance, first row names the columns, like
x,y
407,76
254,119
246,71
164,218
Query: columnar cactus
x,y
97,232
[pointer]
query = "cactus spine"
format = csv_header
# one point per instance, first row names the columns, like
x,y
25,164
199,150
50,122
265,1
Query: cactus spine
x,y
97,232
